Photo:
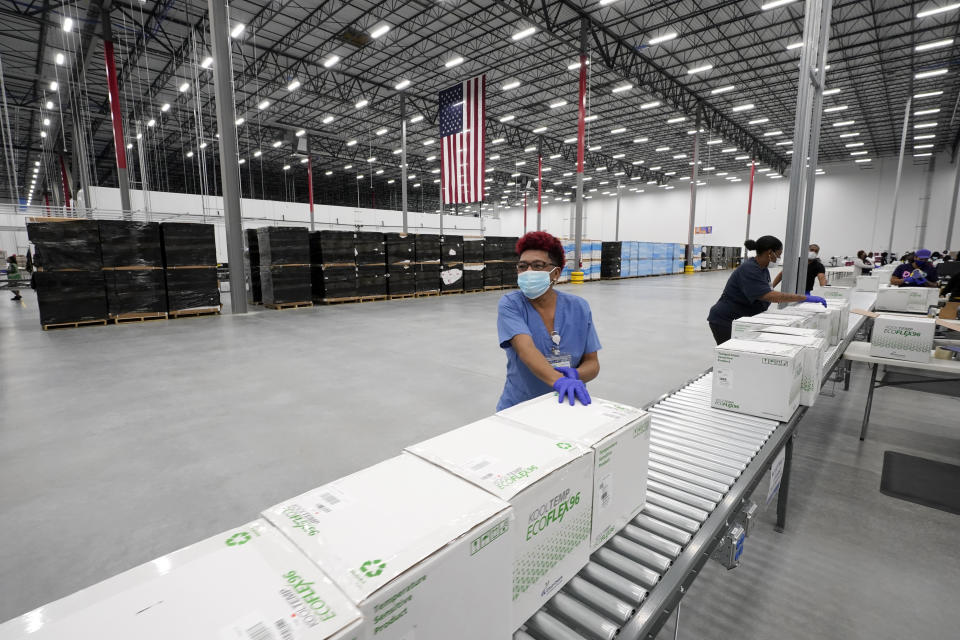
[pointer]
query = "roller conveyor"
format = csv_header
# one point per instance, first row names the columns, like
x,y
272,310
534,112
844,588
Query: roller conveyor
x,y
703,465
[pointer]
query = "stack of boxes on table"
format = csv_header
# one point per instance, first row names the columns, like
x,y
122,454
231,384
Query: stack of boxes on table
x,y
465,536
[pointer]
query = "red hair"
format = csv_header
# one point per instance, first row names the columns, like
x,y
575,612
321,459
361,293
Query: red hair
x,y
543,241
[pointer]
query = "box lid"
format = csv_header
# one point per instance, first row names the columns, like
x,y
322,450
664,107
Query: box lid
x,y
771,318
902,317
495,454
237,584
795,331
763,348
784,338
585,424
366,529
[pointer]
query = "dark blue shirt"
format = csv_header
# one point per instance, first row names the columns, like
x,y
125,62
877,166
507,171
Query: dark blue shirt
x,y
741,297
905,269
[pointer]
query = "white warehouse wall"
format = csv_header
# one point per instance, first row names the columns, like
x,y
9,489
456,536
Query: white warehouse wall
x,y
852,210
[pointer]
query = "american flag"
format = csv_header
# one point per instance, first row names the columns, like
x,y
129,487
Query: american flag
x,y
462,132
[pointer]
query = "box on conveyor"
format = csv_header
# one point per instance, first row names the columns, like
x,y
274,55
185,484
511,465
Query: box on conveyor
x,y
333,282
188,244
835,293
273,591
67,244
370,248
130,244
332,247
451,249
902,337
473,250
400,248
281,284
252,264
619,437
70,296
135,291
814,355
371,280
868,283
420,552
906,299
818,317
757,378
283,246
548,483
191,288
401,279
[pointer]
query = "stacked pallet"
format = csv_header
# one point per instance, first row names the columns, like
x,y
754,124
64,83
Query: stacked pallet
x,y
451,264
427,248
509,259
492,263
370,252
400,252
133,270
252,267
473,265
611,259
333,270
284,266
190,268
69,278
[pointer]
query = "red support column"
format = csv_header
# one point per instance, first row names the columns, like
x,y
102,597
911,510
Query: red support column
x,y
66,183
113,89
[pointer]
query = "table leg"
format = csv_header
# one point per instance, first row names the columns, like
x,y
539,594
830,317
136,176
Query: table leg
x,y
866,411
846,375
784,491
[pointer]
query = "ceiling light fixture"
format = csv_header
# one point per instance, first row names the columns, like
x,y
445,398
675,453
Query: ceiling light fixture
x,y
380,132
591,118
831,92
453,62
257,153
379,31
759,121
294,85
68,24
936,10
719,90
59,58
664,38
924,125
841,107
263,105
520,35
277,144
539,129
728,150
622,88
507,118
775,3
927,136
849,135
844,123
54,86
328,120
361,104
618,130
237,30
934,45
151,122
928,94
416,119
700,69
926,112
930,74
743,107
558,104
769,134
403,84
676,120
332,60
513,84
300,133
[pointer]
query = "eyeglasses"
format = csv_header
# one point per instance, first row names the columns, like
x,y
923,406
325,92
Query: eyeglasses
x,y
536,265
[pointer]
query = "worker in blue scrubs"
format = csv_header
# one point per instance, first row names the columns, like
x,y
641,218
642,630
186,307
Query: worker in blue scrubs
x,y
748,291
548,335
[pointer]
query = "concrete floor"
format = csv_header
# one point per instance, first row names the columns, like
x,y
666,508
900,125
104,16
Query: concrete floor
x,y
120,444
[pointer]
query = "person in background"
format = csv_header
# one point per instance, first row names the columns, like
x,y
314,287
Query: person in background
x,y
917,272
13,275
748,290
863,263
548,335
883,258
816,272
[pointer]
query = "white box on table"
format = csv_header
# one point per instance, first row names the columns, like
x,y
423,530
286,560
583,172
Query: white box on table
x,y
618,435
814,354
548,482
757,378
906,299
868,283
835,293
249,582
762,320
419,551
902,337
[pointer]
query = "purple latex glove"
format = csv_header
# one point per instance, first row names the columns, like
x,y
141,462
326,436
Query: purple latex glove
x,y
572,389
816,299
568,372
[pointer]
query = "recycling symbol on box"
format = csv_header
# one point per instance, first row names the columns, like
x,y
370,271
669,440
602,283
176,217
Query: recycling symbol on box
x,y
564,445
238,539
373,568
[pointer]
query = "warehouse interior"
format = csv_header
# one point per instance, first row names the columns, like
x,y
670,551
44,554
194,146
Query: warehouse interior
x,y
131,438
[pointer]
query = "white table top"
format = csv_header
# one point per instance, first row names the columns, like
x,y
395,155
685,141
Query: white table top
x,y
860,352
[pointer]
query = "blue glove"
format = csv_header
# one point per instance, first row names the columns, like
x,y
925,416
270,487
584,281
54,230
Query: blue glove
x,y
572,389
908,279
816,299
568,372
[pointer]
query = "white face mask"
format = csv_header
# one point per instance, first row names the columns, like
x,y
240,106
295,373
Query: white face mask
x,y
813,255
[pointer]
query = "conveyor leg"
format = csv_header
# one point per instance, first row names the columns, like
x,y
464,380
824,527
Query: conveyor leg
x,y
866,411
846,375
676,628
784,487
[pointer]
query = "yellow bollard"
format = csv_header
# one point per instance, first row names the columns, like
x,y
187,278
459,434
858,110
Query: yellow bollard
x,y
688,269
576,277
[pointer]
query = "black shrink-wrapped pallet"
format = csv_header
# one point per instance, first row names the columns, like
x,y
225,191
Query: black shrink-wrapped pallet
x,y
130,244
451,249
401,279
473,250
451,277
473,276
70,244
191,288
188,244
610,268
370,249
331,283
493,274
371,280
610,250
427,247
70,296
283,245
135,291
400,248
285,283
255,293
332,247
428,277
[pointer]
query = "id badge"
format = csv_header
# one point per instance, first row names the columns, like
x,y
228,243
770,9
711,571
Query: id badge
x,y
558,359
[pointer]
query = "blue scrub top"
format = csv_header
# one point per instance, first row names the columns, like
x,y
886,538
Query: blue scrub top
x,y
906,269
572,319
741,297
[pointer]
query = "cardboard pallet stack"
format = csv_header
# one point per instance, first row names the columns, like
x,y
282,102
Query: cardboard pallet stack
x,y
133,269
333,267
473,265
69,278
252,267
401,251
190,267
284,265
508,248
451,263
370,255
611,259
492,263
427,248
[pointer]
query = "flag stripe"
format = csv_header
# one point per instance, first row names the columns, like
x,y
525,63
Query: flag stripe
x,y
462,157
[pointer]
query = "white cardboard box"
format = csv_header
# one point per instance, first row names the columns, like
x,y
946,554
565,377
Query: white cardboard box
x,y
834,315
906,299
548,482
421,552
836,293
618,435
762,320
902,337
757,378
250,582
814,352
799,331
816,318
844,308
868,283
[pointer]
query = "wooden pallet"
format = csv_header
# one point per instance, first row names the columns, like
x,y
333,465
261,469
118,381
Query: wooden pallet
x,y
354,299
199,311
473,290
401,296
424,294
124,318
287,305
72,325
450,293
